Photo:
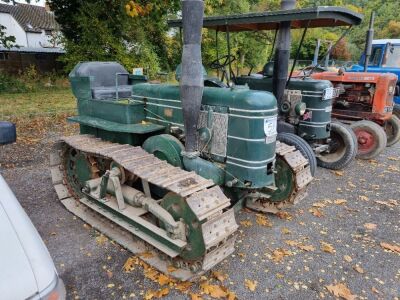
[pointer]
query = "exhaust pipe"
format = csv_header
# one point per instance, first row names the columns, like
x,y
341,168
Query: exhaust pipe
x,y
282,55
368,41
191,84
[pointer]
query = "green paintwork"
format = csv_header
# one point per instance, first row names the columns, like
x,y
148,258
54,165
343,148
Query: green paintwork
x,y
205,169
318,127
117,127
77,169
165,147
284,180
179,209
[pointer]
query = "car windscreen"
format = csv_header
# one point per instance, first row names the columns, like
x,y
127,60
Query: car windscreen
x,y
392,59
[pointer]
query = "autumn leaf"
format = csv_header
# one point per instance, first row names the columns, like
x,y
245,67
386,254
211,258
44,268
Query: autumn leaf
x,y
161,293
319,204
130,263
164,279
338,173
284,215
246,223
219,276
390,203
110,285
213,290
231,295
101,239
341,290
171,269
316,212
183,286
291,243
146,255
194,296
393,248
263,220
285,230
370,226
327,247
347,258
250,284
340,201
363,198
306,247
151,273
358,269
279,254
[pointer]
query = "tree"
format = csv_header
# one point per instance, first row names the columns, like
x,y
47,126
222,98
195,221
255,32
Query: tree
x,y
6,41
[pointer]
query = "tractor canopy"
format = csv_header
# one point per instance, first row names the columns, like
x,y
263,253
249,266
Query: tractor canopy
x,y
313,17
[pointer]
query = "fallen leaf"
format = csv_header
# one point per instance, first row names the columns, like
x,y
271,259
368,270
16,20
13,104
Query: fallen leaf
x,y
285,230
110,285
347,258
340,201
130,263
393,248
393,158
341,290
231,295
246,223
171,269
358,269
195,296
250,284
352,185
390,203
363,198
161,293
183,286
316,212
284,215
151,273
374,290
101,239
306,248
219,276
109,274
291,243
164,279
327,247
319,204
279,254
263,220
213,290
339,173
370,226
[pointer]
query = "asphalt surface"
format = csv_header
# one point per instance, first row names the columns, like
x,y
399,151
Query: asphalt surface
x,y
341,204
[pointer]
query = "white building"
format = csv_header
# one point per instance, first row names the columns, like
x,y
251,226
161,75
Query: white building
x,y
35,30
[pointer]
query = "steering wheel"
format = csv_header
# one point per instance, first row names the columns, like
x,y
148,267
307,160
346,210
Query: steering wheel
x,y
222,62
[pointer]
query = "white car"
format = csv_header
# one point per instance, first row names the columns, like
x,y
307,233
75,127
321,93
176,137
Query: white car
x,y
26,268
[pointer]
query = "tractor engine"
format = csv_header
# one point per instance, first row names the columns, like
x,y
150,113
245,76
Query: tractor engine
x,y
356,96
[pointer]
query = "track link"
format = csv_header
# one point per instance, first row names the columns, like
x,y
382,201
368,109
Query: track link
x,y
205,199
300,168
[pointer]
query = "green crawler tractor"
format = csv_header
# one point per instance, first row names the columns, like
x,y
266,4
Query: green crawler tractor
x,y
163,168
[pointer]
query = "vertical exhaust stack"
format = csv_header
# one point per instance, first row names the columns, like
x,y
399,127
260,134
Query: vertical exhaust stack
x,y
191,83
368,41
282,55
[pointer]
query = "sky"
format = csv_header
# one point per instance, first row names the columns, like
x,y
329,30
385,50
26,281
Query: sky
x,y
34,2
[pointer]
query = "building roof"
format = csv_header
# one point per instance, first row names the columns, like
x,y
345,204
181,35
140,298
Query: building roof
x,y
319,16
32,18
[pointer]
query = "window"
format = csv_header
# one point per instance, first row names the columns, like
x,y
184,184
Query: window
x,y
392,59
3,56
376,55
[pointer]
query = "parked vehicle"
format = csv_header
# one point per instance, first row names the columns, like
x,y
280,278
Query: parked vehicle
x,y
26,268
158,167
385,58
304,104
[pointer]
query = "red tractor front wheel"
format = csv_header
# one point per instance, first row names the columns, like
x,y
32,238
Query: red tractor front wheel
x,y
392,129
371,139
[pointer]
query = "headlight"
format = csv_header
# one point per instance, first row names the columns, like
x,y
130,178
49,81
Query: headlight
x,y
56,292
300,108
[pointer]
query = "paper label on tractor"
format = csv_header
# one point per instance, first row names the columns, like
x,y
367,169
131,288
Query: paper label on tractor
x,y
137,71
270,129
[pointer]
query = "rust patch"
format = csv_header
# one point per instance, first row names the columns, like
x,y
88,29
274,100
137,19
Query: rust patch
x,y
187,182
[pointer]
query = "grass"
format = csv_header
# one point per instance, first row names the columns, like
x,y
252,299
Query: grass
x,y
37,103
36,114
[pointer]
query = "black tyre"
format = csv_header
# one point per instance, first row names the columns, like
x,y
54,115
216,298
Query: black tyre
x,y
301,145
392,129
342,148
371,139
8,133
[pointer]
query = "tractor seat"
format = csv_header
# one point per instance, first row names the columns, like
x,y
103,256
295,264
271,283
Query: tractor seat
x,y
268,70
105,79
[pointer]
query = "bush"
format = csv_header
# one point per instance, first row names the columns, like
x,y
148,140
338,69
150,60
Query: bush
x,y
31,81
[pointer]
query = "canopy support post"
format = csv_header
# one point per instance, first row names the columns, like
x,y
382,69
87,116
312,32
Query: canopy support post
x,y
229,53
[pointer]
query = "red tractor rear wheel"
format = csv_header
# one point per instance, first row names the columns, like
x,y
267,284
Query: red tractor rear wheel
x,y
371,139
392,129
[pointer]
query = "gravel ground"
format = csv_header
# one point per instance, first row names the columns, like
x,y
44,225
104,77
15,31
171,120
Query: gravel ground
x,y
333,236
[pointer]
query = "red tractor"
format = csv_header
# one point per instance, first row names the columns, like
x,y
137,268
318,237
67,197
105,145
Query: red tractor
x,y
365,100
